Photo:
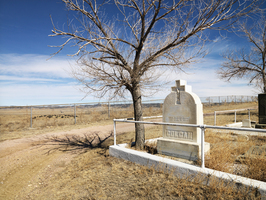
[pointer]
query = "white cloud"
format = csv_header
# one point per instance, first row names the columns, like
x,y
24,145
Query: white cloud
x,y
25,79
205,82
32,80
35,65
29,94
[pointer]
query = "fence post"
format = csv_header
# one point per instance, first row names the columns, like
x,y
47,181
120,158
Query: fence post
x,y
114,132
75,113
235,116
108,110
202,147
248,114
31,116
214,118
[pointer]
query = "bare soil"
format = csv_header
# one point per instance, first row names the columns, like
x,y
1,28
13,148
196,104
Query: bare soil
x,y
27,162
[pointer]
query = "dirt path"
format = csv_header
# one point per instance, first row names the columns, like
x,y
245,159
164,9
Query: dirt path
x,y
26,162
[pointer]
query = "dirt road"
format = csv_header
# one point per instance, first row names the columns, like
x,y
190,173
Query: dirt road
x,y
25,163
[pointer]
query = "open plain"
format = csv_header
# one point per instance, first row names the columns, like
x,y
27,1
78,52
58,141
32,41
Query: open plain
x,y
72,162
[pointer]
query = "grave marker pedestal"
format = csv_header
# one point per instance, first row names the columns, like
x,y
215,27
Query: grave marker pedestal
x,y
246,123
184,107
262,111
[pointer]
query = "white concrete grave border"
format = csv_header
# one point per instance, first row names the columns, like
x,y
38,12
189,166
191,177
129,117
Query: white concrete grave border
x,y
179,169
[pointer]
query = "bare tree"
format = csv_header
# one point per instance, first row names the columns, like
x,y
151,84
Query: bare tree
x,y
125,45
248,62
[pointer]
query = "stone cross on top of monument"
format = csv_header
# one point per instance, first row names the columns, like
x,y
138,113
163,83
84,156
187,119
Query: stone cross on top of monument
x,y
181,85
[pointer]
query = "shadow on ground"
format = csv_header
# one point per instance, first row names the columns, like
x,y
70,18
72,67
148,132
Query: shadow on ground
x,y
76,143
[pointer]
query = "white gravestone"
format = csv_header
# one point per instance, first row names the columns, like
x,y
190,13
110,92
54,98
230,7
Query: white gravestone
x,y
184,107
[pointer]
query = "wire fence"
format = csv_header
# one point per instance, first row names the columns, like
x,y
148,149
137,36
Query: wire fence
x,y
228,99
17,117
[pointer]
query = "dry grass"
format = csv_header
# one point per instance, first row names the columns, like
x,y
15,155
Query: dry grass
x,y
225,150
210,108
93,174
18,119
228,118
255,168
15,122
224,153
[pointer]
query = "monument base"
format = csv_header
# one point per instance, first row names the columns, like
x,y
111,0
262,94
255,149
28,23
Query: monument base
x,y
181,149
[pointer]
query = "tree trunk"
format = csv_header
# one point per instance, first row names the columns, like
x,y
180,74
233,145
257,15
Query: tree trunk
x,y
264,80
139,128
263,72
264,85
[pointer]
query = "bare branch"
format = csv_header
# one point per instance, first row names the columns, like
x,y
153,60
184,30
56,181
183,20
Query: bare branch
x,y
248,64
129,50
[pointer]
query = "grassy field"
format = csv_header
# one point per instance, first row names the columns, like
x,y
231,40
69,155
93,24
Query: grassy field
x,y
15,122
95,175
19,119
92,174
226,148
228,118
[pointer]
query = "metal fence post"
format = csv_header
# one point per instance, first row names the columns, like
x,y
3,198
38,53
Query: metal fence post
x,y
202,147
108,109
31,116
214,118
114,132
75,113
235,116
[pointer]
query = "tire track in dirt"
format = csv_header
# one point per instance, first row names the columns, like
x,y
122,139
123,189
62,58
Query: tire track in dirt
x,y
24,160
7,147
18,169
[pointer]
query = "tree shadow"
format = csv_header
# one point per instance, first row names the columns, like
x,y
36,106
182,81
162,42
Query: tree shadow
x,y
76,143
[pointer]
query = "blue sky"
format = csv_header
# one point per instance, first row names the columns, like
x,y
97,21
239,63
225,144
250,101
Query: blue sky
x,y
29,77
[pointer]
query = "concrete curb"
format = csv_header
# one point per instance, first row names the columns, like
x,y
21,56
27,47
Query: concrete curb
x,y
183,170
